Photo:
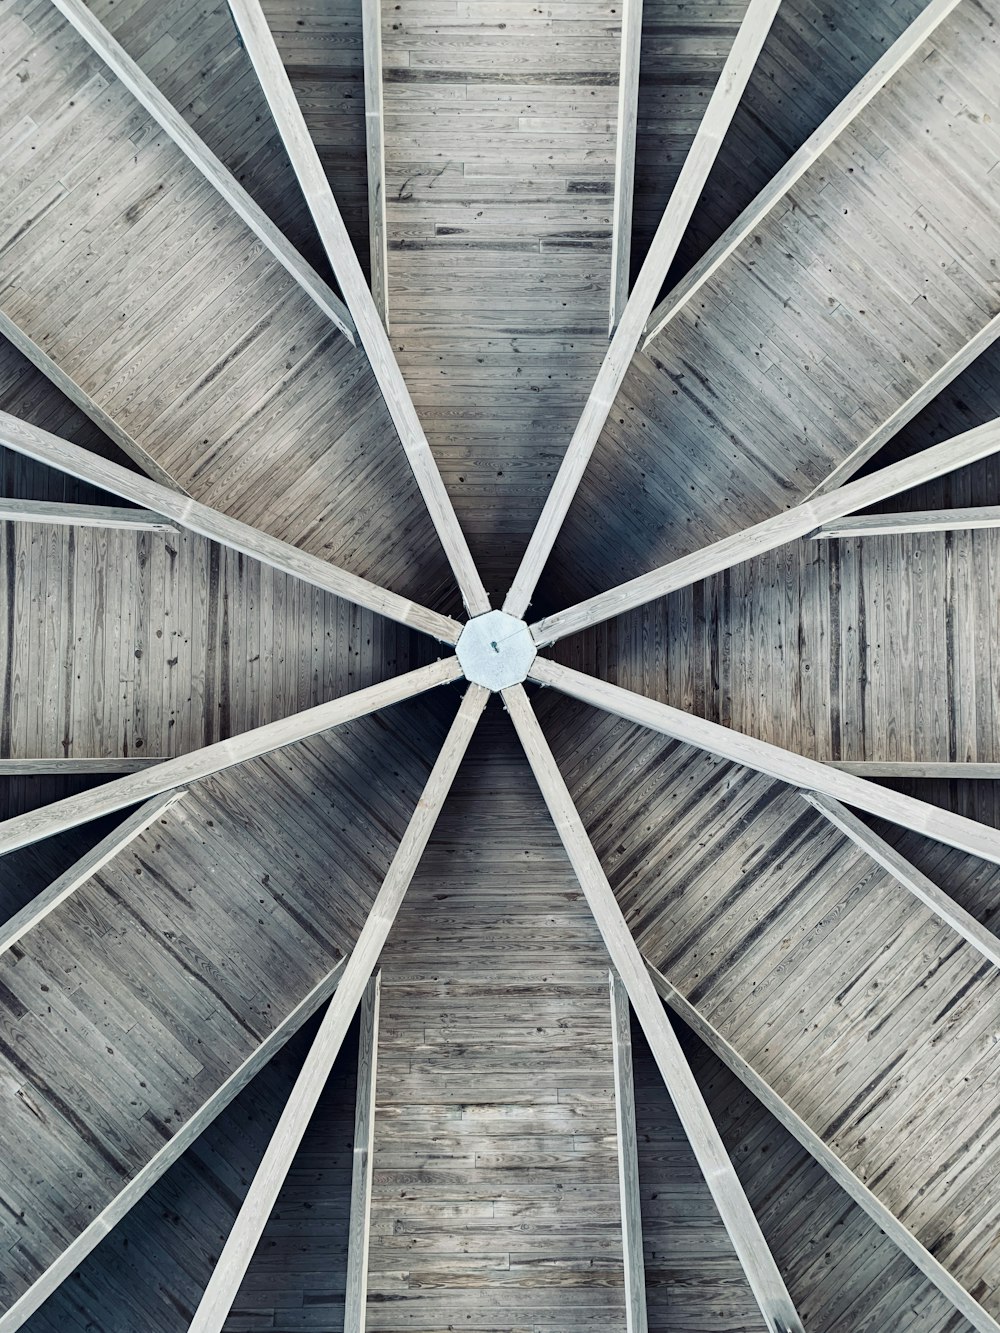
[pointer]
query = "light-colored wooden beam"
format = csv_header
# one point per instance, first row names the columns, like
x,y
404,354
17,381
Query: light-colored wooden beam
x,y
147,1176
889,525
378,258
922,888
690,183
628,115
219,527
57,767
809,774
221,1291
67,884
758,1263
852,1185
356,1287
793,523
82,516
950,769
628,1158
204,160
187,768
264,55
795,168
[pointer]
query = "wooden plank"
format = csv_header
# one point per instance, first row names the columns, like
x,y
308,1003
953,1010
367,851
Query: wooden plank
x,y
628,1159
930,520
148,1175
208,522
198,153
799,521
58,767
378,259
850,1183
260,47
811,151
810,774
356,1289
762,1273
949,769
88,866
215,1305
697,165
628,113
82,516
186,768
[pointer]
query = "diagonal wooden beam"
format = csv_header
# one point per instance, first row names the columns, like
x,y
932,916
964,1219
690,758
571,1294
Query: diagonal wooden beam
x,y
278,91
378,259
221,1291
800,521
61,515
219,527
628,115
744,1231
690,183
204,160
628,1158
927,520
122,792
809,774
356,1286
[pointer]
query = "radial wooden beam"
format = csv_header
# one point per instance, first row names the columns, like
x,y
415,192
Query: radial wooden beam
x,y
690,183
82,516
187,768
200,155
221,1291
305,162
852,1185
809,774
949,769
929,520
59,767
628,115
800,521
378,259
628,1158
219,527
144,1179
758,1263
795,168
356,1286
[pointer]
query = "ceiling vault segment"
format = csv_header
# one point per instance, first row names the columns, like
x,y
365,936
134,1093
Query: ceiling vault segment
x,y
217,1301
800,521
278,91
748,1240
201,157
219,527
697,164
34,825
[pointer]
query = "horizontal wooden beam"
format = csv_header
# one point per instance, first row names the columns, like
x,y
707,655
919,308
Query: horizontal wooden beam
x,y
204,160
56,514
58,767
220,1293
219,527
890,525
799,163
278,91
627,124
922,888
697,164
950,769
851,1184
748,1240
378,258
363,1158
809,774
144,1179
793,523
187,768
628,1158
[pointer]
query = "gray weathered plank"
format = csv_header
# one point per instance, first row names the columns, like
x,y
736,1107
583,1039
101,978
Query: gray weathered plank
x,y
628,1159
371,26
930,520
356,1289
82,516
628,111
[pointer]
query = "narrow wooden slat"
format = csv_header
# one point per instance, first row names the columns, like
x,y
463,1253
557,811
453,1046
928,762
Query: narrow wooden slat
x,y
356,1288
628,116
57,767
930,520
628,1159
200,155
186,768
307,166
949,769
82,516
808,517
758,1263
208,522
371,33
215,1305
697,165
809,774
795,168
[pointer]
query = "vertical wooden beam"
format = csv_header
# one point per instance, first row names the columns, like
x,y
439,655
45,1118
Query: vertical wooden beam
x,y
628,114
221,1291
371,28
356,1290
690,183
748,1240
628,1158
82,516
305,162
